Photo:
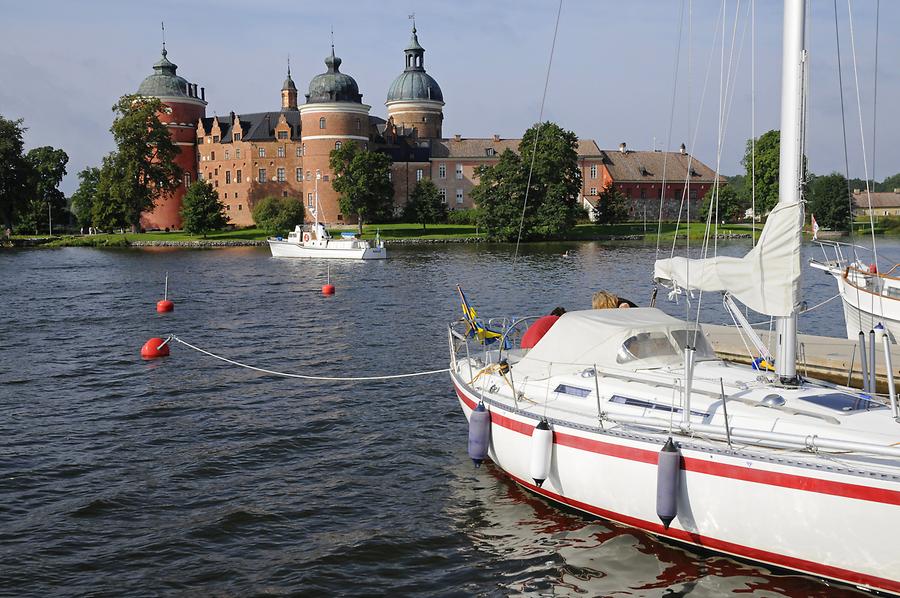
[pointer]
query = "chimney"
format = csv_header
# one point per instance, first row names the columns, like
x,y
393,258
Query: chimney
x,y
457,137
203,93
232,117
622,148
496,137
682,149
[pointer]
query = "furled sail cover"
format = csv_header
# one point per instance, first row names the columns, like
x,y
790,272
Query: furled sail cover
x,y
766,280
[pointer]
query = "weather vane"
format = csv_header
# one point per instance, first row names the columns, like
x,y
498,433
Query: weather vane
x,y
163,25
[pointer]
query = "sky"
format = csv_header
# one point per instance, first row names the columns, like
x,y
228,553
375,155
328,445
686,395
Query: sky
x,y
614,75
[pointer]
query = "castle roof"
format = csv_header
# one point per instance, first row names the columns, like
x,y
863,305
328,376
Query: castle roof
x,y
164,82
255,126
414,83
640,166
333,85
478,148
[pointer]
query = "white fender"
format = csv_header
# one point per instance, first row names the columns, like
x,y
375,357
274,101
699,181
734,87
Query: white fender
x,y
541,451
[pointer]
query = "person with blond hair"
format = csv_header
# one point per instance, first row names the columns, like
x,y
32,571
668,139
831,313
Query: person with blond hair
x,y
606,300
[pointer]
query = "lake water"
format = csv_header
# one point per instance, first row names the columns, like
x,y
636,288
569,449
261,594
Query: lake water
x,y
188,476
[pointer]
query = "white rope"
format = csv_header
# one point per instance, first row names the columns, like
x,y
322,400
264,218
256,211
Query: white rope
x,y
303,376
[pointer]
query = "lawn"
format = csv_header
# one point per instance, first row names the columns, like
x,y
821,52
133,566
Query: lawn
x,y
666,231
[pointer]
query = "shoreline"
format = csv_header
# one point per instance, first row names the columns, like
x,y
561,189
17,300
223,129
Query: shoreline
x,y
46,243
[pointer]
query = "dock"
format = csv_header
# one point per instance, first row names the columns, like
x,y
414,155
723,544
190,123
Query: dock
x,y
826,358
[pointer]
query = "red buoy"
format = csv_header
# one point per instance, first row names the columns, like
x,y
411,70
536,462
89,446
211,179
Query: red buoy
x,y
328,289
152,348
164,305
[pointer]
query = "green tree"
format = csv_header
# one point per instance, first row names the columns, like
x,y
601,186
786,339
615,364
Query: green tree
x,y
108,210
362,179
425,205
767,158
552,208
732,206
890,183
142,169
612,206
82,201
47,167
201,209
13,170
828,200
278,214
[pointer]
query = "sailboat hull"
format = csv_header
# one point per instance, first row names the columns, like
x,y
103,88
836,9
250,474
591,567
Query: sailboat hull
x,y
790,515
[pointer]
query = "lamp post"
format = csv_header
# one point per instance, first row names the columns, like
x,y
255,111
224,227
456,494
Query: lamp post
x,y
50,217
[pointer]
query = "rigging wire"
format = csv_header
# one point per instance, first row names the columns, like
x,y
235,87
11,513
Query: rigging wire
x,y
537,133
753,122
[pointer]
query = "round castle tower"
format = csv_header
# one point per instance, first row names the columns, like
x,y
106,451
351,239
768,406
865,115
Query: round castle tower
x,y
415,102
184,107
332,115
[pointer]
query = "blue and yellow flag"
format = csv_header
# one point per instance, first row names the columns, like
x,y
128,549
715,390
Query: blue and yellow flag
x,y
475,327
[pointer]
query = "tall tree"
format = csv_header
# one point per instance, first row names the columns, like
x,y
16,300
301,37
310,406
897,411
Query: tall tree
x,y
425,205
109,210
47,167
13,170
278,214
829,201
731,206
767,155
890,183
143,165
552,207
362,178
611,206
201,209
82,201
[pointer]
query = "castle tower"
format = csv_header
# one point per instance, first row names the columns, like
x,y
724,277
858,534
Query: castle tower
x,y
184,106
332,115
288,92
415,102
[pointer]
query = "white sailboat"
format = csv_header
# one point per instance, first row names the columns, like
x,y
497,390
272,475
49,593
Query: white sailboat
x,y
316,242
628,414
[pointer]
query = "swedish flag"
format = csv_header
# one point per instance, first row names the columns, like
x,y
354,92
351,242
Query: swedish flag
x,y
475,327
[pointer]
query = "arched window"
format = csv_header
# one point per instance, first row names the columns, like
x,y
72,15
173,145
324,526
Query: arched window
x,y
322,123
337,145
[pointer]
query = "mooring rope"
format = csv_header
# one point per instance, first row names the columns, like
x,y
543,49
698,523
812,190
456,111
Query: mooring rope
x,y
301,376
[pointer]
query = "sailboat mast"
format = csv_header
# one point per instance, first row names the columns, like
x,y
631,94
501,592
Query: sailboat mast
x,y
790,160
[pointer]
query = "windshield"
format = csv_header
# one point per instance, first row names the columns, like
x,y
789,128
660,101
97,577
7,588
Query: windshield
x,y
662,347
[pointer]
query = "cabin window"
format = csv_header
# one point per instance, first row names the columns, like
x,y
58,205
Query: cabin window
x,y
575,391
845,403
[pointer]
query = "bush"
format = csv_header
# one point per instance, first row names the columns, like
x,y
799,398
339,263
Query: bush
x,y
469,216
277,215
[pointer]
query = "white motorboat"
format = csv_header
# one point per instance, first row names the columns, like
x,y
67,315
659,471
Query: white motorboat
x,y
868,296
316,242
627,414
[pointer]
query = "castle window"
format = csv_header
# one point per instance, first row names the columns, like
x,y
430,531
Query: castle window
x,y
240,207
459,196
424,119
209,140
593,171
216,183
299,174
443,193
337,145
282,135
390,175
280,151
358,125
419,174
187,179
199,140
237,176
303,150
442,171
262,152
199,176
212,155
459,171
227,154
262,175
227,177
228,207
593,191
215,139
279,174
309,200
235,194
299,151
284,194
325,178
340,216
237,153
490,151
226,195
308,176
236,137
643,194
322,123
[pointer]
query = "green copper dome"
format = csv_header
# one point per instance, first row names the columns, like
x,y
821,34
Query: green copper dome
x,y
414,83
164,82
333,85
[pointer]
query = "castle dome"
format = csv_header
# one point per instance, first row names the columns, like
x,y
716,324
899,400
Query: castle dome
x,y
414,83
333,85
164,82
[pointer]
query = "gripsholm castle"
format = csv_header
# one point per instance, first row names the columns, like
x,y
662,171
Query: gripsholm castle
x,y
285,152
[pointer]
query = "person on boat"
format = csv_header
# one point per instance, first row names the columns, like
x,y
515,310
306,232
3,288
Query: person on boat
x,y
540,327
606,300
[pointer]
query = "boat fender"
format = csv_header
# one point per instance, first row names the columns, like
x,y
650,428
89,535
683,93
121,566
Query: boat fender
x,y
541,451
668,472
479,434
